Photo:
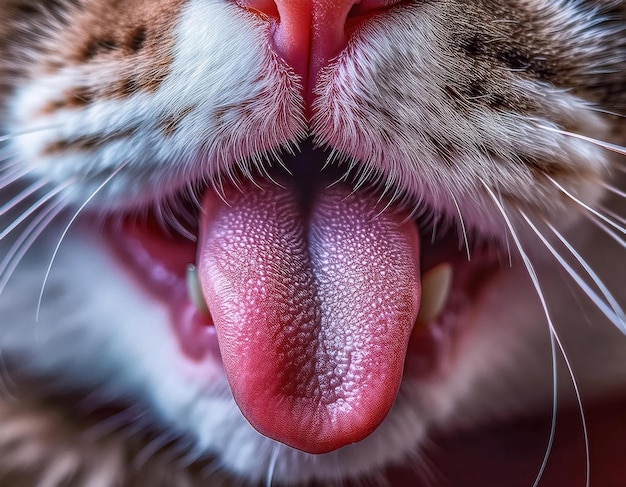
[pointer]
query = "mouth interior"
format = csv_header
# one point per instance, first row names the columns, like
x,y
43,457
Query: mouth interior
x,y
313,292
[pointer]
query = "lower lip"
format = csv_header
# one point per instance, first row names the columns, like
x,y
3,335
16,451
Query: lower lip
x,y
158,264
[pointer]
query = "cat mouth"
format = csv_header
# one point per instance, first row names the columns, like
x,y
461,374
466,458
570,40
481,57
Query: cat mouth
x,y
316,298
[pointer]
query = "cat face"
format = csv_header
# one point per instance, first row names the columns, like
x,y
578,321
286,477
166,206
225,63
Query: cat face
x,y
361,223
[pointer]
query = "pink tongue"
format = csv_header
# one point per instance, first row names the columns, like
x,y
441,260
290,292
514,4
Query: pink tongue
x,y
313,305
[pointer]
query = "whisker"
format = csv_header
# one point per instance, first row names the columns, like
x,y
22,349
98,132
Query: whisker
x,y
13,176
619,312
21,245
109,425
433,236
14,135
67,228
112,424
613,189
21,196
588,208
151,449
616,314
218,185
606,112
272,466
535,281
5,156
506,235
458,210
554,337
620,241
172,221
605,145
612,214
8,387
32,209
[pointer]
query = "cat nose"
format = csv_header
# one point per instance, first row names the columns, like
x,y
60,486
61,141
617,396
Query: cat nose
x,y
307,34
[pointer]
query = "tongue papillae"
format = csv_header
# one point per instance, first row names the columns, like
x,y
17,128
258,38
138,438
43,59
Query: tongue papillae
x,y
314,299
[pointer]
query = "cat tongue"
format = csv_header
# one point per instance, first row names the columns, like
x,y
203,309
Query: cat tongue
x,y
313,300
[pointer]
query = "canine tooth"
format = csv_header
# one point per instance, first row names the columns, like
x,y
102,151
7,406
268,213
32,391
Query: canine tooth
x,y
436,285
194,290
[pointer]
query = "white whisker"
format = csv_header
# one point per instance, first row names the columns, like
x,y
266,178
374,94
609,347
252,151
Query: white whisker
x,y
607,230
218,185
272,466
169,220
151,449
21,196
506,234
607,112
554,337
14,135
458,210
67,228
112,424
612,214
615,313
13,176
5,155
589,208
26,239
594,277
7,385
433,237
613,189
33,208
605,145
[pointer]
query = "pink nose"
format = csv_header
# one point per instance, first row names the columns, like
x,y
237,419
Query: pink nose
x,y
309,33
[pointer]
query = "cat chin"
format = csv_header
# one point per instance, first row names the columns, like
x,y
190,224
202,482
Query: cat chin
x,y
123,347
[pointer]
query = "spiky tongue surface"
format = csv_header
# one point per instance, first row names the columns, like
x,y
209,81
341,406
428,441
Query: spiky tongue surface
x,y
314,300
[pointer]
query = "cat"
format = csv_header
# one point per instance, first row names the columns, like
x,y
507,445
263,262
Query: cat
x,y
285,242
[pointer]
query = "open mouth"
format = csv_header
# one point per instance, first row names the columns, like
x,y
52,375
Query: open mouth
x,y
316,297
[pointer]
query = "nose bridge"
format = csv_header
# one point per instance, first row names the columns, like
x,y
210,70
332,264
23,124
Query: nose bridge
x,y
309,33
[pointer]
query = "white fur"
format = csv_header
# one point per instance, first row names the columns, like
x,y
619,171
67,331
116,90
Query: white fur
x,y
207,75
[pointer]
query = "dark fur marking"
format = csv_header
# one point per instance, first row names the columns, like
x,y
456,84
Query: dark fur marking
x,y
498,102
477,93
76,98
85,144
96,47
170,125
462,100
476,89
517,60
138,39
474,46
444,149
542,69
127,87
51,107
543,170
25,10
152,84
514,59
452,93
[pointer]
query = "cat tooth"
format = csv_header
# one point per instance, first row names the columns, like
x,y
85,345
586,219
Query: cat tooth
x,y
194,289
436,284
